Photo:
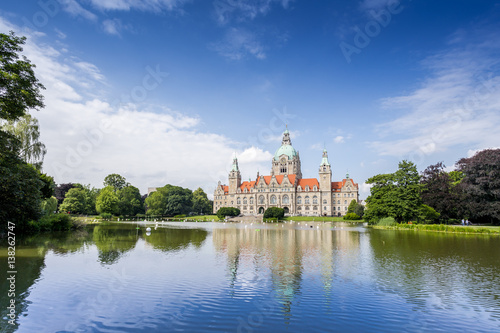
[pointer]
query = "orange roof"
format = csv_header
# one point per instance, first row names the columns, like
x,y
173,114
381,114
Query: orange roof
x,y
226,189
338,185
308,182
247,185
279,179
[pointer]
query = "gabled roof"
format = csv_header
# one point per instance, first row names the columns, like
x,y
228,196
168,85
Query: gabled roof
x,y
338,185
308,182
279,179
225,188
248,185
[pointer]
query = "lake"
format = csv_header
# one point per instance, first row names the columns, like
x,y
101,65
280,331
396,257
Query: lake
x,y
251,277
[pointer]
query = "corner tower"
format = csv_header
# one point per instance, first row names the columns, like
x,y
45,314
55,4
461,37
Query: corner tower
x,y
286,160
325,184
234,176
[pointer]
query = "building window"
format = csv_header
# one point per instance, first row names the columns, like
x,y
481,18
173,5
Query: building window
x,y
315,200
238,201
338,202
345,202
306,200
324,202
299,200
285,199
299,208
273,200
307,207
315,208
334,208
261,200
251,201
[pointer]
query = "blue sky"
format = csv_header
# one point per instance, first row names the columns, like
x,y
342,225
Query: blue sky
x,y
165,91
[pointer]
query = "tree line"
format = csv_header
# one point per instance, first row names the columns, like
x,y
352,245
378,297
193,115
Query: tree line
x,y
471,191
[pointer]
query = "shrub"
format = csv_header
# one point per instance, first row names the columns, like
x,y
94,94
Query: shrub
x,y
351,216
106,216
227,211
54,222
180,216
275,212
387,222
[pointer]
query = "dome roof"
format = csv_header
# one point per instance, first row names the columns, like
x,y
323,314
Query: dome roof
x,y
287,150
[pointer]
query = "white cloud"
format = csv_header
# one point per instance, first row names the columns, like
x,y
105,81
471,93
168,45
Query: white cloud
x,y
144,5
87,138
457,105
74,8
239,43
112,27
241,10
339,139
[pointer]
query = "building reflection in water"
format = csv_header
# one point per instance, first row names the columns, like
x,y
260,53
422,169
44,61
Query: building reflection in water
x,y
282,255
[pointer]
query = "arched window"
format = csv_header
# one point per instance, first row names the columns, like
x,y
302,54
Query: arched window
x,y
338,202
285,199
315,200
324,202
238,202
315,208
315,188
345,202
306,200
307,207
273,200
299,200
307,187
251,201
261,200
245,201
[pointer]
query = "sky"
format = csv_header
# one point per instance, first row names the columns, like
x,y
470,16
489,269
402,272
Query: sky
x,y
168,91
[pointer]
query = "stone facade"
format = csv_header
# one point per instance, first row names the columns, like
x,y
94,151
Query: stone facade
x,y
285,188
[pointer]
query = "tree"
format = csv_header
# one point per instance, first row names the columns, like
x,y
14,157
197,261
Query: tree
x,y
274,212
359,210
394,195
201,204
19,88
227,211
74,201
169,200
352,206
116,181
49,206
48,185
26,129
129,201
481,185
439,192
107,201
61,190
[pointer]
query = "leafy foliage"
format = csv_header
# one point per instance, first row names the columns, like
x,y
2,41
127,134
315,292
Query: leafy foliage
x,y
74,201
481,185
396,195
116,181
351,216
274,212
129,201
61,190
387,222
227,211
107,201
201,204
19,88
49,206
169,200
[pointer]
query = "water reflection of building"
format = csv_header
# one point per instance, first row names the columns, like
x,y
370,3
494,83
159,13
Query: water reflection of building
x,y
281,255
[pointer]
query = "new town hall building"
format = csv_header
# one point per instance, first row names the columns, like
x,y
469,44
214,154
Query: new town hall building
x,y
286,188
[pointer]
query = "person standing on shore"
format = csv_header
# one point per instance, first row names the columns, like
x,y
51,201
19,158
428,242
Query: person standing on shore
x,y
463,222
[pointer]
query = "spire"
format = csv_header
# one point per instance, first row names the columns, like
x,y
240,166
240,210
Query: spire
x,y
235,164
286,137
347,174
324,160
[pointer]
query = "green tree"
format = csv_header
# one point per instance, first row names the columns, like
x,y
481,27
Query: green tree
x,y
20,185
26,130
352,206
359,210
201,204
169,200
395,195
91,194
19,88
74,201
227,211
274,212
129,201
48,185
49,206
116,181
107,201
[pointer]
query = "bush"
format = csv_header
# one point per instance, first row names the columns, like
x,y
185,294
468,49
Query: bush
x,y
275,212
52,222
180,216
351,216
227,211
106,216
387,222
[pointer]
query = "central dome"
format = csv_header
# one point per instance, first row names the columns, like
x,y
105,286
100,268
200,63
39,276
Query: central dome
x,y
287,150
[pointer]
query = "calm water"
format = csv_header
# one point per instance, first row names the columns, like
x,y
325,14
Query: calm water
x,y
234,277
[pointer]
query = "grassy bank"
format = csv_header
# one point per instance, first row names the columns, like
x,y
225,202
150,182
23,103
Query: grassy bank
x,y
444,228
318,219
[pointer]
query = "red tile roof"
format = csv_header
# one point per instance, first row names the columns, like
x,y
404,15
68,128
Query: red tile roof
x,y
308,182
338,185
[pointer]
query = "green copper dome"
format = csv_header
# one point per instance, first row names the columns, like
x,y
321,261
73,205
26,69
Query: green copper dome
x,y
287,150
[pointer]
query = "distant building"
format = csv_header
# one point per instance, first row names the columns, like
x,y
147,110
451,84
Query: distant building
x,y
286,188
